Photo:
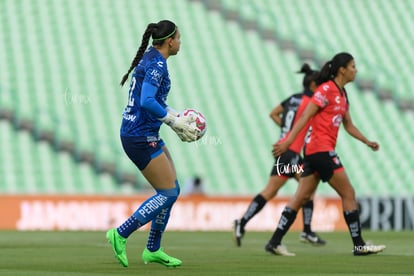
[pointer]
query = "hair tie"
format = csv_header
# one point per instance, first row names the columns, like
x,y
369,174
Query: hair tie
x,y
165,37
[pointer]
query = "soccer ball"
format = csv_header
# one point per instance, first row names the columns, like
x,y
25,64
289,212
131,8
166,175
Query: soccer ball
x,y
200,122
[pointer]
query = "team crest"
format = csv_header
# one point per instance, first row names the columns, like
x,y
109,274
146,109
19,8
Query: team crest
x,y
336,160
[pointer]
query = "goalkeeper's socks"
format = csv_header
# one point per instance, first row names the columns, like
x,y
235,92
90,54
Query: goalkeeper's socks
x,y
354,226
154,240
286,220
255,206
128,227
307,210
154,205
149,210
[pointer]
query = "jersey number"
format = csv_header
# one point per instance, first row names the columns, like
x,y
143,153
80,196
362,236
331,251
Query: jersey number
x,y
131,90
289,117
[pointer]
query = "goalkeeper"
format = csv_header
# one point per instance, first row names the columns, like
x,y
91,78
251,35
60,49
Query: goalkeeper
x,y
145,112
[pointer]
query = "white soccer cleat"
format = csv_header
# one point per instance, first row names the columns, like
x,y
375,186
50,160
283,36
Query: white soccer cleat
x,y
311,238
278,250
367,249
238,232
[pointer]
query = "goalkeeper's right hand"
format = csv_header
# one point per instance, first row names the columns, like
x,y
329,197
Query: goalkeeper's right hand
x,y
181,126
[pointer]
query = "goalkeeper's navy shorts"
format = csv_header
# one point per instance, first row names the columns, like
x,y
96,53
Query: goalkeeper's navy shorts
x,y
288,165
141,151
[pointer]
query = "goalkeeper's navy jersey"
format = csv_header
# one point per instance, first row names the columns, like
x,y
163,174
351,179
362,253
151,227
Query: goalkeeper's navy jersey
x,y
290,107
137,121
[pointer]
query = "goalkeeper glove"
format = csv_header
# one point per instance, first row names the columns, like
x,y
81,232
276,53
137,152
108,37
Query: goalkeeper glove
x,y
172,111
181,126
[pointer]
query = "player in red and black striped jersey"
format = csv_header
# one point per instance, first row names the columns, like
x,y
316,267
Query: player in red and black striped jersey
x,y
289,164
328,108
285,113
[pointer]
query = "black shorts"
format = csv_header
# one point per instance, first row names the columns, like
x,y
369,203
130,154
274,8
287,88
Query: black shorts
x,y
141,152
324,164
288,165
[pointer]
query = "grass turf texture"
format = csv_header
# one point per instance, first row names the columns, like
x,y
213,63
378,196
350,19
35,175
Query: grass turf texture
x,y
202,253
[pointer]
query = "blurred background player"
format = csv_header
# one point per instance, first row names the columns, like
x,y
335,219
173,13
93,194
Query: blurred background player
x,y
142,118
328,108
284,115
194,186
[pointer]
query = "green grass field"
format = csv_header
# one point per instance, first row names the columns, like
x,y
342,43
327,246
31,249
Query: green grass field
x,y
202,253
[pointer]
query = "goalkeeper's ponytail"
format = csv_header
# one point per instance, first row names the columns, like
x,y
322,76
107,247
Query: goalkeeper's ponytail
x,y
144,44
159,32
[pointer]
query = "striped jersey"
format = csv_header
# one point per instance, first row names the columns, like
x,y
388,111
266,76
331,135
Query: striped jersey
x,y
292,110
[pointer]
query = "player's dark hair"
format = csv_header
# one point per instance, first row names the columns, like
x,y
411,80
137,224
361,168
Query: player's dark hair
x,y
159,32
310,75
331,68
164,29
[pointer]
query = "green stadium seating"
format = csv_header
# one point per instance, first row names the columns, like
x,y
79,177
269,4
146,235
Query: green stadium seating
x,y
34,167
367,29
62,62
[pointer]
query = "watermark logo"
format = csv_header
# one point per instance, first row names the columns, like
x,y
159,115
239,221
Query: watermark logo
x,y
289,168
368,248
208,141
71,98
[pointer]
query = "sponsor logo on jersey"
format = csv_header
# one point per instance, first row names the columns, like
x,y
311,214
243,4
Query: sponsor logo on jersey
x,y
294,100
320,99
338,99
337,120
155,75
